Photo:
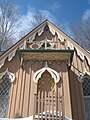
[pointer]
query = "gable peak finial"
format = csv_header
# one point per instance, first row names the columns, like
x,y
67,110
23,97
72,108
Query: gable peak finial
x,y
46,64
46,38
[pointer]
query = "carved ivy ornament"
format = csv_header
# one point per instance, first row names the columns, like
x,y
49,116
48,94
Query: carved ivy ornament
x,y
11,75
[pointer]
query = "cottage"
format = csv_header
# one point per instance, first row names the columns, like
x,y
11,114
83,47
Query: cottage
x,y
45,75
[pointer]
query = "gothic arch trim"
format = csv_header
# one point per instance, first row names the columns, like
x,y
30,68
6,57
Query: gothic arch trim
x,y
82,75
11,75
53,73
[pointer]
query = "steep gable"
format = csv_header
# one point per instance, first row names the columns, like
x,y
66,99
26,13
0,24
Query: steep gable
x,y
30,40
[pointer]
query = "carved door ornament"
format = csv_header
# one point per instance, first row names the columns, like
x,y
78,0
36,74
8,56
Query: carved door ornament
x,y
54,75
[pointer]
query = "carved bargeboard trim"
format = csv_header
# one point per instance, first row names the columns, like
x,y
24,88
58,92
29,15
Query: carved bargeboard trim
x,y
2,62
11,75
79,53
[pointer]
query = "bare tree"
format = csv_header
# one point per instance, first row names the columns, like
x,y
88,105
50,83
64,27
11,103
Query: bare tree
x,y
37,19
81,32
31,21
8,21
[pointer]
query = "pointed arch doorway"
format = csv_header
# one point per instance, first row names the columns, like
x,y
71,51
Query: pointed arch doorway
x,y
46,83
48,99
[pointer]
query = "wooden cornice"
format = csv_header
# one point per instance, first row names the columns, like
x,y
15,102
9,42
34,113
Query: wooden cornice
x,y
45,55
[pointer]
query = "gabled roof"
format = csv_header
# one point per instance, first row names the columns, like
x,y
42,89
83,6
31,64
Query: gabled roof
x,y
26,37
1,52
39,29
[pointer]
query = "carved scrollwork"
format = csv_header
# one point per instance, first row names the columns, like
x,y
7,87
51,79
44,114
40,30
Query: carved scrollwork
x,y
52,72
11,75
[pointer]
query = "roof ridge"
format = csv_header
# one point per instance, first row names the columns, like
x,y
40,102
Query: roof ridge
x,y
47,23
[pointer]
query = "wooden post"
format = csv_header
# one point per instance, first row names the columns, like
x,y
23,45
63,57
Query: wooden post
x,y
52,106
38,104
66,89
56,102
49,104
34,108
42,105
45,105
62,106
59,106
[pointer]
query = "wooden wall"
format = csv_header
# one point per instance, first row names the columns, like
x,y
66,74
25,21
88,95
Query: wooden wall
x,y
76,91
23,88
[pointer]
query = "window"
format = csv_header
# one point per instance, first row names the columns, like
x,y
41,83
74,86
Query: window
x,y
86,86
5,85
86,94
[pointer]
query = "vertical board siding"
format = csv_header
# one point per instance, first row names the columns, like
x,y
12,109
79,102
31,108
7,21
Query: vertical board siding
x,y
19,89
79,61
12,113
66,89
73,94
76,72
26,91
22,92
10,102
16,107
30,71
32,93
77,68
21,101
23,89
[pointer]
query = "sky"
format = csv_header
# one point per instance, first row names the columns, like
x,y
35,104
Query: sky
x,y
59,12
62,13
65,11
